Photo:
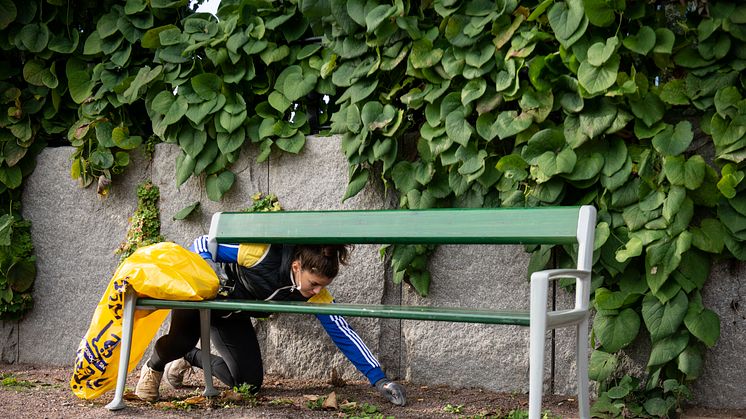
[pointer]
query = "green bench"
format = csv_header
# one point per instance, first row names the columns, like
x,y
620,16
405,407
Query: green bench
x,y
544,225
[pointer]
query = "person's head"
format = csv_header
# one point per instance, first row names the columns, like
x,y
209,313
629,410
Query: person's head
x,y
315,266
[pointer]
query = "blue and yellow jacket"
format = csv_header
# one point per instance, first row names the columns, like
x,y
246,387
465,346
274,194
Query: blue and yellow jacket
x,y
262,272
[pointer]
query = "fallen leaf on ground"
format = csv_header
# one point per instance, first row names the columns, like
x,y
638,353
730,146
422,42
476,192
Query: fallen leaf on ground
x,y
130,395
331,402
311,397
165,405
194,400
231,395
348,406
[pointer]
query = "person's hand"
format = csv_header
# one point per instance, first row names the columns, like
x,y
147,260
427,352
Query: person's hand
x,y
392,391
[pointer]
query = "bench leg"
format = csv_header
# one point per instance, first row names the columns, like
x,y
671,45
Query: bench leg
x,y
536,346
584,403
204,320
130,300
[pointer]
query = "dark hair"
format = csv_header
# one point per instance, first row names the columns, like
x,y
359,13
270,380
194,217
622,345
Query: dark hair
x,y
322,259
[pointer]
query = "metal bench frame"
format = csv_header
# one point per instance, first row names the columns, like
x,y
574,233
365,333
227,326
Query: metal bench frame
x,y
544,225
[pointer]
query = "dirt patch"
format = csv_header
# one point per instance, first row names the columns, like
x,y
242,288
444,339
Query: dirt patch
x,y
33,391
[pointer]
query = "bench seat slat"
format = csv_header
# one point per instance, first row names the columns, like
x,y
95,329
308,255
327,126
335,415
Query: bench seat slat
x,y
551,225
518,318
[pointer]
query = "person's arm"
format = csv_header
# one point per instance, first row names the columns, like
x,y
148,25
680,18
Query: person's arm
x,y
226,253
352,346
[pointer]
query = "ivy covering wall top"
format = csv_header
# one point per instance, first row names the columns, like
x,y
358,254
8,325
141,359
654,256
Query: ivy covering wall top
x,y
636,107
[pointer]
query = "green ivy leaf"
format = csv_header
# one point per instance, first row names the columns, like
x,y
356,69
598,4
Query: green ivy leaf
x,y
600,52
151,39
473,90
377,15
668,348
279,101
8,13
175,111
192,141
566,18
6,229
127,142
458,128
206,85
274,53
599,12
186,211
609,300
184,168
34,37
34,72
673,202
690,362
704,325
145,75
218,184
663,257
230,142
423,54
657,407
596,120
404,175
297,85
293,144
673,141
231,122
597,79
547,150
662,320
615,331
642,43
602,365
21,275
102,159
64,45
693,270
509,123
78,80
664,41
632,248
357,182
370,113
688,173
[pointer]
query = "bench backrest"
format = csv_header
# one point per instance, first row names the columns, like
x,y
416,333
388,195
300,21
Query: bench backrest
x,y
540,225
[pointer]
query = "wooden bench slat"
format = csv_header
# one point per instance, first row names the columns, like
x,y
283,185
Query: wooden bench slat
x,y
551,225
518,318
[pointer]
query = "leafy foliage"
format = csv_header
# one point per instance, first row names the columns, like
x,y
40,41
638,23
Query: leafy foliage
x,y
17,265
635,107
612,103
145,223
264,203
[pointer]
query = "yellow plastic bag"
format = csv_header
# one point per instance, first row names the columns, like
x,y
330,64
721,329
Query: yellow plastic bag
x,y
164,270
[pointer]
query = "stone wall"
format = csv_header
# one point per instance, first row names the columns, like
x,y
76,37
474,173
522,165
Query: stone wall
x,y
75,234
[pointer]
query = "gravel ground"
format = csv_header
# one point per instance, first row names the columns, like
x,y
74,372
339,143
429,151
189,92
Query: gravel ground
x,y
36,391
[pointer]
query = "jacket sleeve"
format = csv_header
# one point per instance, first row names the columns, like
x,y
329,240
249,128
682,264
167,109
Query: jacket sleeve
x,y
226,253
348,341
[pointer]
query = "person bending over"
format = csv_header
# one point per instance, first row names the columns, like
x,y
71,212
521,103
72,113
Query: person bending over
x,y
259,272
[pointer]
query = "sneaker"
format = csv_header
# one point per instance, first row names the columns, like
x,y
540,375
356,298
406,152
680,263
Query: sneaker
x,y
147,387
176,371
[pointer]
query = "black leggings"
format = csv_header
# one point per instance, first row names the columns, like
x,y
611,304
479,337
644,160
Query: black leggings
x,y
233,336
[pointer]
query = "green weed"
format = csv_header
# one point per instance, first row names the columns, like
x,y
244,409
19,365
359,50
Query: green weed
x,y
281,402
455,409
13,383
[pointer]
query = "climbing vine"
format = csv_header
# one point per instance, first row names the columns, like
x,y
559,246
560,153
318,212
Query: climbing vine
x,y
635,107
145,224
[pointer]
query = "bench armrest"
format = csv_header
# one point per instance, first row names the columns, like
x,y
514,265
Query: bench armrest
x,y
539,292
